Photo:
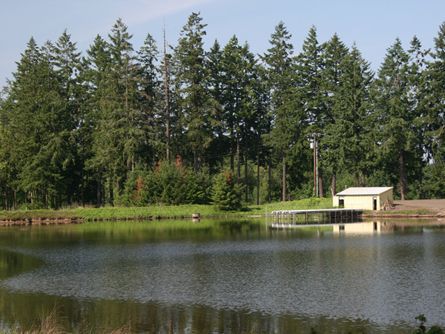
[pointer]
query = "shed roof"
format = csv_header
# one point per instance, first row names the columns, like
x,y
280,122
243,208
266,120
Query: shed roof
x,y
364,191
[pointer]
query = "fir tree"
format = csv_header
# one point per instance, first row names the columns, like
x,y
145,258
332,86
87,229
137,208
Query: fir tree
x,y
38,130
149,100
396,118
333,54
346,144
287,122
191,80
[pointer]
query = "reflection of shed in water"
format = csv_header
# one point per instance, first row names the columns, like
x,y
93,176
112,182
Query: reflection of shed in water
x,y
358,228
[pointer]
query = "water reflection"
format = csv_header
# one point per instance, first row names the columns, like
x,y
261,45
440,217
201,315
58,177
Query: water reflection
x,y
378,227
223,277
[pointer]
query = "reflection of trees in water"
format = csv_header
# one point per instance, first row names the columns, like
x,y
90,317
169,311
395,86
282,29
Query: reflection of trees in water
x,y
92,315
86,316
12,264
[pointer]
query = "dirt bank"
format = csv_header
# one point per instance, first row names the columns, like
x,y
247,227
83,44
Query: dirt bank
x,y
433,205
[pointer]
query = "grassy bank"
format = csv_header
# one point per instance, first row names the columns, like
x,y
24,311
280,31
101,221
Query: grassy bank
x,y
164,211
413,212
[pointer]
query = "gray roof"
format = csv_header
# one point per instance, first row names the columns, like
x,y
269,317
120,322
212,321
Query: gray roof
x,y
364,191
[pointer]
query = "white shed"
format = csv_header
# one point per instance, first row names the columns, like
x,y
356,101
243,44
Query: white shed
x,y
363,198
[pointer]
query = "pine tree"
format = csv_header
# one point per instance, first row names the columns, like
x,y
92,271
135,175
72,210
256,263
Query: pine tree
x,y
310,69
38,130
119,136
191,82
333,53
94,78
346,142
65,61
396,118
310,90
285,112
434,102
149,100
433,112
221,145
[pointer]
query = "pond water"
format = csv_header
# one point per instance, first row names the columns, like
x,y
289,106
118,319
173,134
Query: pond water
x,y
224,277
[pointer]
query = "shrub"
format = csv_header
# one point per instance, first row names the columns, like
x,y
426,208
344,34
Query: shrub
x,y
226,193
167,184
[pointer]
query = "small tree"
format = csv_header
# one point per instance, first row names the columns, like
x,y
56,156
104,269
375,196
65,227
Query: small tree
x,y
226,192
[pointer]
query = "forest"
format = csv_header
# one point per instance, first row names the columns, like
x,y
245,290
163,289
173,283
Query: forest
x,y
164,124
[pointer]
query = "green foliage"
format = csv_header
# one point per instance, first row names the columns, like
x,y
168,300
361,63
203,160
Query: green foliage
x,y
422,329
433,185
191,77
94,129
167,184
345,141
226,192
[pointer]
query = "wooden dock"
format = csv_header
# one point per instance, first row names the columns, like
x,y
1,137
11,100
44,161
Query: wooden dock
x,y
285,218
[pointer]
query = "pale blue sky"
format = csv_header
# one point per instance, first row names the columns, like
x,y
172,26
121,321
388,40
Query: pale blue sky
x,y
372,24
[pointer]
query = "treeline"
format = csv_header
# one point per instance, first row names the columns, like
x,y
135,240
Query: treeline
x,y
188,125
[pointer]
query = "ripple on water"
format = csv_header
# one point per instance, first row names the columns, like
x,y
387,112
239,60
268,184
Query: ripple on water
x,y
386,279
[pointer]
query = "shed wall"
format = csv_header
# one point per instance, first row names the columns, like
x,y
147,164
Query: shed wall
x,y
359,202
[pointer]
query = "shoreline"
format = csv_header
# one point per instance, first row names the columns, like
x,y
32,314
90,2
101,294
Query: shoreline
x,y
44,221
78,215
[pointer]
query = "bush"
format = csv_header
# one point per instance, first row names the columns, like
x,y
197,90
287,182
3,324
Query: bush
x,y
422,329
226,192
166,184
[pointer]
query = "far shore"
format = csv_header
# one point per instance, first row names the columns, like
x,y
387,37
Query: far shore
x,y
403,209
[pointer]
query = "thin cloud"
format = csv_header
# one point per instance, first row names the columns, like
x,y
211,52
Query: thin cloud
x,y
142,11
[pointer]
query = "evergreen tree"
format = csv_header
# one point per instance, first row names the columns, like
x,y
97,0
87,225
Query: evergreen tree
x,y
94,81
310,89
434,102
346,142
396,119
226,192
65,61
433,111
285,112
191,80
216,86
119,136
149,100
310,69
38,127
333,53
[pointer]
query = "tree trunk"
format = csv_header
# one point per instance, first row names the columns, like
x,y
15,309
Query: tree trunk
x,y
245,178
110,191
99,193
238,162
283,181
258,180
334,185
402,176
320,186
269,180
232,153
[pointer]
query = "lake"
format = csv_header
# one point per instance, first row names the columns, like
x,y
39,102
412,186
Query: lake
x,y
236,276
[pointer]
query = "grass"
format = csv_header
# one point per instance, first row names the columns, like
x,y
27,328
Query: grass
x,y
414,212
164,211
185,211
51,324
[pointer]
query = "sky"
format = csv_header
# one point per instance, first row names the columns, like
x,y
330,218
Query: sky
x,y
372,25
